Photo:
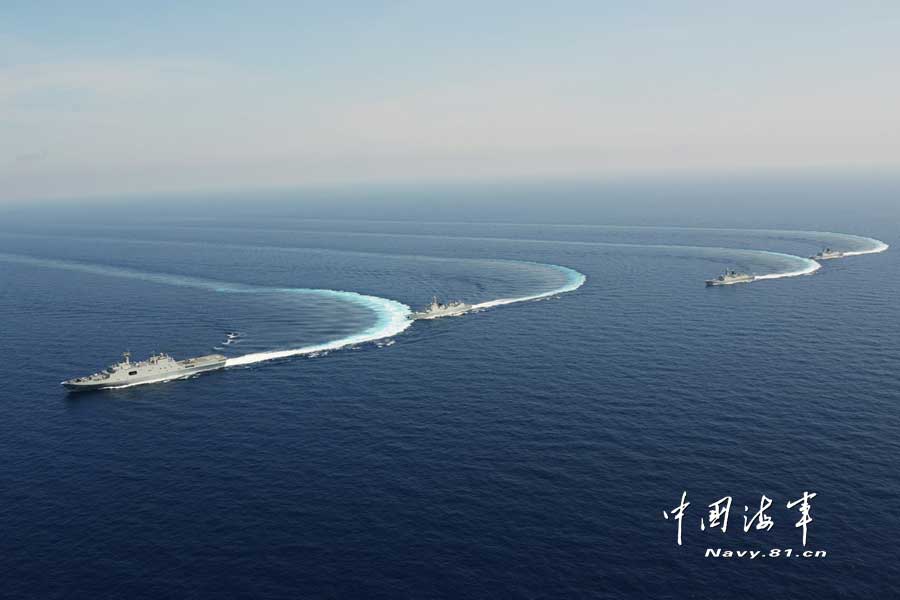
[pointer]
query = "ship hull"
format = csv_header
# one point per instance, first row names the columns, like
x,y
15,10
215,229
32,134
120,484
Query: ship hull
x,y
713,282
428,316
83,387
827,257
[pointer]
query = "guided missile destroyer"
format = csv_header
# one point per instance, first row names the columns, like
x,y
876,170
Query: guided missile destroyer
x,y
730,278
156,369
436,310
827,254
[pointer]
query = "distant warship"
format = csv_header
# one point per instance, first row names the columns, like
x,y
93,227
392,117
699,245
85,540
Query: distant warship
x,y
827,254
436,310
730,278
157,368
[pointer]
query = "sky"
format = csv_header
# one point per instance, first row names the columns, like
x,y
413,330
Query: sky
x,y
120,97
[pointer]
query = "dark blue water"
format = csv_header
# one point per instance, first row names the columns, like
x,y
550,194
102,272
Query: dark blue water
x,y
527,450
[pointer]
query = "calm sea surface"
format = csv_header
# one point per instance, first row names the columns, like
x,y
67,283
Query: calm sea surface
x,y
527,450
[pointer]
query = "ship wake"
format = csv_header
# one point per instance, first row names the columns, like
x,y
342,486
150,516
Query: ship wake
x,y
393,317
574,280
807,266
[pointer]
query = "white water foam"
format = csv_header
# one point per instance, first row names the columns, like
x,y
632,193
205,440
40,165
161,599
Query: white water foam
x,y
877,247
575,281
874,247
823,238
393,318
831,239
809,268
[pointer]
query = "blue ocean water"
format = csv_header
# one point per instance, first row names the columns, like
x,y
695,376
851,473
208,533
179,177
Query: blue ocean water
x,y
528,449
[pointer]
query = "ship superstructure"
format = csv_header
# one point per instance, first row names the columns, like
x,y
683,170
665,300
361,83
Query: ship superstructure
x,y
436,310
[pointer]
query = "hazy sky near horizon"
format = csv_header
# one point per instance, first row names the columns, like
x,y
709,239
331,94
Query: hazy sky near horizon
x,y
128,97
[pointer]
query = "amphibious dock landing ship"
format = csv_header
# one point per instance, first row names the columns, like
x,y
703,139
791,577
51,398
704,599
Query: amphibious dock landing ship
x,y
730,278
827,254
436,310
156,369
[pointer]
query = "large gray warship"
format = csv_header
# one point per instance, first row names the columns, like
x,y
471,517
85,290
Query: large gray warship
x,y
827,254
156,369
436,310
730,278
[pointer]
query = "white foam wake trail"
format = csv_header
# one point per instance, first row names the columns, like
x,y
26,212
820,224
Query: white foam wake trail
x,y
575,281
392,315
393,319
865,245
877,247
810,267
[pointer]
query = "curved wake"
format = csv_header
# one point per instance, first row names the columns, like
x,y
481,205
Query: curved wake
x,y
574,281
807,266
811,267
393,317
868,245
878,247
853,245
